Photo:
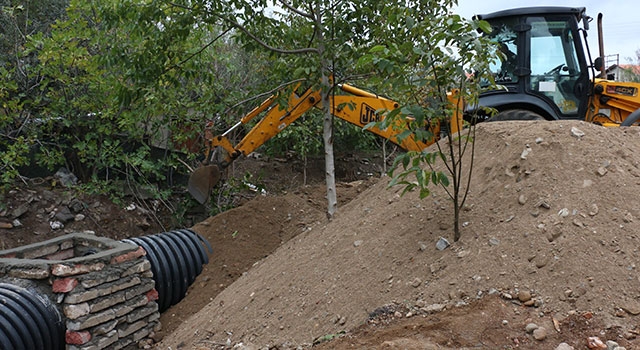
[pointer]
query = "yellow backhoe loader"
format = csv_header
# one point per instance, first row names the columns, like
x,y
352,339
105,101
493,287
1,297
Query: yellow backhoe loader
x,y
547,73
356,106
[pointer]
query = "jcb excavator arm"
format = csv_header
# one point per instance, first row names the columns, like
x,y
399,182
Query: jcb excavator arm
x,y
359,108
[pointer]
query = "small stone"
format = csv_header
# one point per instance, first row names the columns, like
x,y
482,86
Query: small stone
x,y
612,345
564,346
394,199
442,244
79,217
6,225
540,333
76,205
494,242
529,328
19,211
563,213
602,171
461,254
575,132
594,210
620,313
524,295
357,243
631,308
595,343
522,199
434,308
544,204
64,215
416,282
628,217
397,314
56,225
525,152
66,177
16,223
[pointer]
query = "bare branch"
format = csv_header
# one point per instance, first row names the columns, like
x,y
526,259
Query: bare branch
x,y
197,52
267,46
295,10
268,93
243,29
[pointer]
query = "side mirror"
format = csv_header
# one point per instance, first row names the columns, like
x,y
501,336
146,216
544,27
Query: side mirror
x,y
598,64
585,22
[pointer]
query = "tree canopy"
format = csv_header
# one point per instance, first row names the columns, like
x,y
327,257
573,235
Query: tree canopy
x,y
102,85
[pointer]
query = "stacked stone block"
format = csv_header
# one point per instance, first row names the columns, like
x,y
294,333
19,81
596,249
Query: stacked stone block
x,y
104,288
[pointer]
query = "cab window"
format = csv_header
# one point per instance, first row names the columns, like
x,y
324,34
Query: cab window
x,y
506,39
554,62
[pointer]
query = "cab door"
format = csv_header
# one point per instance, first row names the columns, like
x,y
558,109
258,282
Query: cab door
x,y
556,65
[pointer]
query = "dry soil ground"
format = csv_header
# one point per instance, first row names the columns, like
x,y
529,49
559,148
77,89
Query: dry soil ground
x,y
549,254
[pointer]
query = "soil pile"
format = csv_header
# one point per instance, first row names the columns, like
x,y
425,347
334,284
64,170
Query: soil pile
x,y
549,238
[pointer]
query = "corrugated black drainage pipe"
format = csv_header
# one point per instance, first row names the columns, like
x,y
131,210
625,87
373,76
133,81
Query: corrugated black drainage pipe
x,y
176,259
28,320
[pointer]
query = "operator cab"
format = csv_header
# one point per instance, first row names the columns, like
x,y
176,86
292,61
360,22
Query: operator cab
x,y
542,61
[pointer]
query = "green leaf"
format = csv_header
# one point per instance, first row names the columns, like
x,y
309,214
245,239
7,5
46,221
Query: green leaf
x,y
410,22
484,26
405,161
444,180
378,49
424,193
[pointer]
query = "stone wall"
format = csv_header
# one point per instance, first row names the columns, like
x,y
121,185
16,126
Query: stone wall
x,y
104,289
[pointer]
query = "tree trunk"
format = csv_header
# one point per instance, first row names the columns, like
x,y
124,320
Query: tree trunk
x,y
456,222
327,124
327,136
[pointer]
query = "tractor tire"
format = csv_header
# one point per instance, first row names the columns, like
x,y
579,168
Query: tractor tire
x,y
515,114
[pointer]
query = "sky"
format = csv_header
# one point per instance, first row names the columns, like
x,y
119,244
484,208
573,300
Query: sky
x,y
620,22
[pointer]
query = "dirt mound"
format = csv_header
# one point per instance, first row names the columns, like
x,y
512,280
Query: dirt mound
x,y
247,234
551,222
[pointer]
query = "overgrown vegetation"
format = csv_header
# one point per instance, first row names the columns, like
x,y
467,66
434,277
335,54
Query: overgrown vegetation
x,y
113,90
119,91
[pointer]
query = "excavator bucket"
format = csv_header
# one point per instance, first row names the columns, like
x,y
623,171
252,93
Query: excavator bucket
x,y
202,180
